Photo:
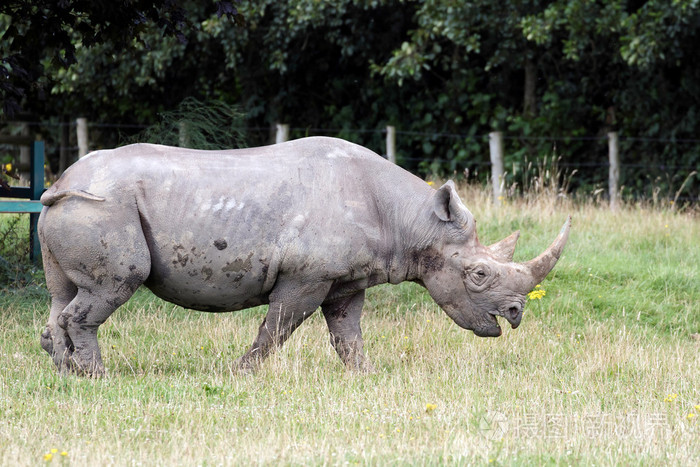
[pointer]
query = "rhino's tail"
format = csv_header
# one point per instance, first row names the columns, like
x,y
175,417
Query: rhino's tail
x,y
50,197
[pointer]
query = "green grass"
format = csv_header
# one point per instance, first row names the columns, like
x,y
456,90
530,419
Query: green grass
x,y
588,378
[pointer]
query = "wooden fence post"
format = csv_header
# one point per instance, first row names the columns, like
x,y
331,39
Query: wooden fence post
x,y
82,130
391,143
614,174
25,157
182,136
64,138
282,132
496,150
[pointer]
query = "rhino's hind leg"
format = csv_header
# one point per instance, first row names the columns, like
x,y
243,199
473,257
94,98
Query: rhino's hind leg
x,y
290,305
95,301
55,339
81,319
91,269
343,319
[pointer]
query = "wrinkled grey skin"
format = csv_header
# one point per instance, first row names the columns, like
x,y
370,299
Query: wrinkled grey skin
x,y
300,225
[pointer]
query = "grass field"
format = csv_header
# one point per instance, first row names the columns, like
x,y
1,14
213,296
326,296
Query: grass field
x,y
605,368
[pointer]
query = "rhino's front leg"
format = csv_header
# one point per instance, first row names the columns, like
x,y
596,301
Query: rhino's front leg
x,y
343,319
290,305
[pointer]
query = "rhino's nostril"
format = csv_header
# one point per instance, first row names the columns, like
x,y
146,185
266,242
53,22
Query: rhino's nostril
x,y
513,311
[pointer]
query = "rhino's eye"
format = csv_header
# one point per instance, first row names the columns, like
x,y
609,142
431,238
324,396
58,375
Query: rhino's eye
x,y
478,275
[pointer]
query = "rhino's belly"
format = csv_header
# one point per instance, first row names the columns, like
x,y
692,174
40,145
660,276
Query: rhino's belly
x,y
204,299
202,278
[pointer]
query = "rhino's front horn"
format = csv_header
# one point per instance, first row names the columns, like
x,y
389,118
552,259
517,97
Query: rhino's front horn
x,y
540,266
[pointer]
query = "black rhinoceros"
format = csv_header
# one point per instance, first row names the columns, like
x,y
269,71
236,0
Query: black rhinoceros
x,y
299,225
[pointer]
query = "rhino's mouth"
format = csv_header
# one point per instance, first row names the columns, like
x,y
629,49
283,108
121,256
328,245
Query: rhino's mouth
x,y
487,326
490,329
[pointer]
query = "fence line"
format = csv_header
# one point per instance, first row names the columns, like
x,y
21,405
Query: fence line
x,y
483,137
495,140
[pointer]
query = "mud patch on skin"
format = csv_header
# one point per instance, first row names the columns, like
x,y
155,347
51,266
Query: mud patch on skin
x,y
80,316
132,282
62,320
239,265
430,259
180,259
207,273
220,244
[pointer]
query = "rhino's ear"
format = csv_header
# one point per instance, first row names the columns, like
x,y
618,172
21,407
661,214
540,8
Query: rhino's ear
x,y
505,249
449,208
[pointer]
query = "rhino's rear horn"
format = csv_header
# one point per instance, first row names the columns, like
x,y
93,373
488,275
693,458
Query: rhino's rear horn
x,y
540,266
505,249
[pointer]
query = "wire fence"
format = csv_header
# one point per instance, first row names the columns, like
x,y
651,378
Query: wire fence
x,y
642,178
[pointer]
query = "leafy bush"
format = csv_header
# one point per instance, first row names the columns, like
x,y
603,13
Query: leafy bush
x,y
197,125
16,270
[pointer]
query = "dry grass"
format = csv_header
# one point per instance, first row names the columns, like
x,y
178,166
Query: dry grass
x,y
604,369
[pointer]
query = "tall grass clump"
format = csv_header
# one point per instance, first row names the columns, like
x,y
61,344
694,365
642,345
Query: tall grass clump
x,y
212,125
603,370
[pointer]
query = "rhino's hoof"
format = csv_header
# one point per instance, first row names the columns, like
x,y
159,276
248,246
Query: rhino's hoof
x,y
245,367
360,365
47,341
97,372
366,368
91,369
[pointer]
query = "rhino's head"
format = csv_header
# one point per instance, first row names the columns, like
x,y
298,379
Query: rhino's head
x,y
474,283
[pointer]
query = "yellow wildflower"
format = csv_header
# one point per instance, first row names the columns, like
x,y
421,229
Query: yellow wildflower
x,y
537,293
690,416
697,407
54,451
48,456
431,183
8,167
671,397
430,407
64,453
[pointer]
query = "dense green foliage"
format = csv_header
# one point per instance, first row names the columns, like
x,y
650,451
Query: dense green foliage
x,y
555,76
41,37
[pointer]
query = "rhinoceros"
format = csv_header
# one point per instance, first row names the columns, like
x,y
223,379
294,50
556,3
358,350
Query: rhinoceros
x,y
299,225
